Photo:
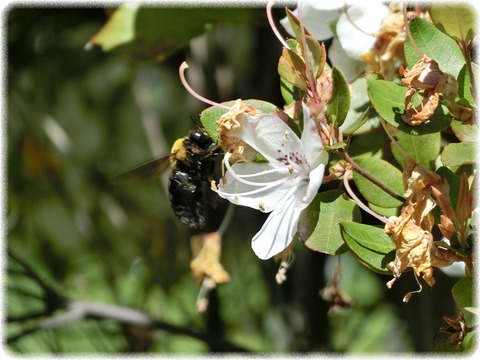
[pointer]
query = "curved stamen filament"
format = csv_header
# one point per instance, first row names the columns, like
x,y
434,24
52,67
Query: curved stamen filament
x,y
265,172
241,178
273,26
181,72
253,192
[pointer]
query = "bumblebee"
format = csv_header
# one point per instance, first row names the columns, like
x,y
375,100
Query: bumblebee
x,y
193,161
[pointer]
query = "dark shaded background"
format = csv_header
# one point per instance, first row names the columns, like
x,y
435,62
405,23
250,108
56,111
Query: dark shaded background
x,y
74,120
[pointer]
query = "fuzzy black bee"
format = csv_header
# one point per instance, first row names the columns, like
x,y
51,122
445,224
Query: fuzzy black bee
x,y
193,162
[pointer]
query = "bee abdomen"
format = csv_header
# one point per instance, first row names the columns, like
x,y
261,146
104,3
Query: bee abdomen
x,y
185,192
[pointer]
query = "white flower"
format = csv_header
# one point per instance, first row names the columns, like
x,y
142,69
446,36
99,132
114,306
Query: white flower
x,y
283,186
353,31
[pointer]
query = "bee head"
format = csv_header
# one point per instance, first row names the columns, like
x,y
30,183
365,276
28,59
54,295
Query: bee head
x,y
200,138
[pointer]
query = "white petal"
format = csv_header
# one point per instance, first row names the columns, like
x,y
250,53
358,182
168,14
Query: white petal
x,y
366,16
270,136
315,181
264,198
312,143
278,230
350,67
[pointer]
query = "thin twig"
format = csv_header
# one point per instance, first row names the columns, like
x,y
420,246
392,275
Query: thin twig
x,y
79,310
369,176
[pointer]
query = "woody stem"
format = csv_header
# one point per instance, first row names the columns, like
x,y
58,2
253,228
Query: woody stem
x,y
369,176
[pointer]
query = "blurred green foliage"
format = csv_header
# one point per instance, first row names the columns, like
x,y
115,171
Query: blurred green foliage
x,y
75,120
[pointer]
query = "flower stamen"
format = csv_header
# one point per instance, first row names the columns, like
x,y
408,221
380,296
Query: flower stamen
x,y
241,178
181,72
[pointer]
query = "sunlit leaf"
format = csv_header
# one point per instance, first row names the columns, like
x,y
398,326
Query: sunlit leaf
x,y
456,154
316,57
455,20
462,293
465,86
386,173
291,68
318,226
436,45
388,99
370,244
339,103
424,149
465,132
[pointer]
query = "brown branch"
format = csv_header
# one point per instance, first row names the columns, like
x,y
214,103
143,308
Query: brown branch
x,y
369,176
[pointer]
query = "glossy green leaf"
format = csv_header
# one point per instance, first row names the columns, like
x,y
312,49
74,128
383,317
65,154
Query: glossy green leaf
x,y
385,211
387,174
289,92
465,86
388,99
453,181
462,293
456,20
370,244
465,132
436,45
424,149
339,103
155,33
456,154
358,122
318,226
372,144
209,116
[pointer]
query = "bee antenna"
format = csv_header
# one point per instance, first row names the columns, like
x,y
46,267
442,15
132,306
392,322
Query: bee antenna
x,y
195,122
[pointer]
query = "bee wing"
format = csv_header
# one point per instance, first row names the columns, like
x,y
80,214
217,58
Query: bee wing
x,y
148,170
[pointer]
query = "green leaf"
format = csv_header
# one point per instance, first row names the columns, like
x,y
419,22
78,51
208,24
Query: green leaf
x,y
313,52
370,244
154,33
210,115
386,173
453,181
294,23
385,211
318,225
465,86
316,57
455,20
359,122
339,103
456,154
424,149
291,68
465,132
388,99
289,92
436,45
359,103
462,293
119,29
